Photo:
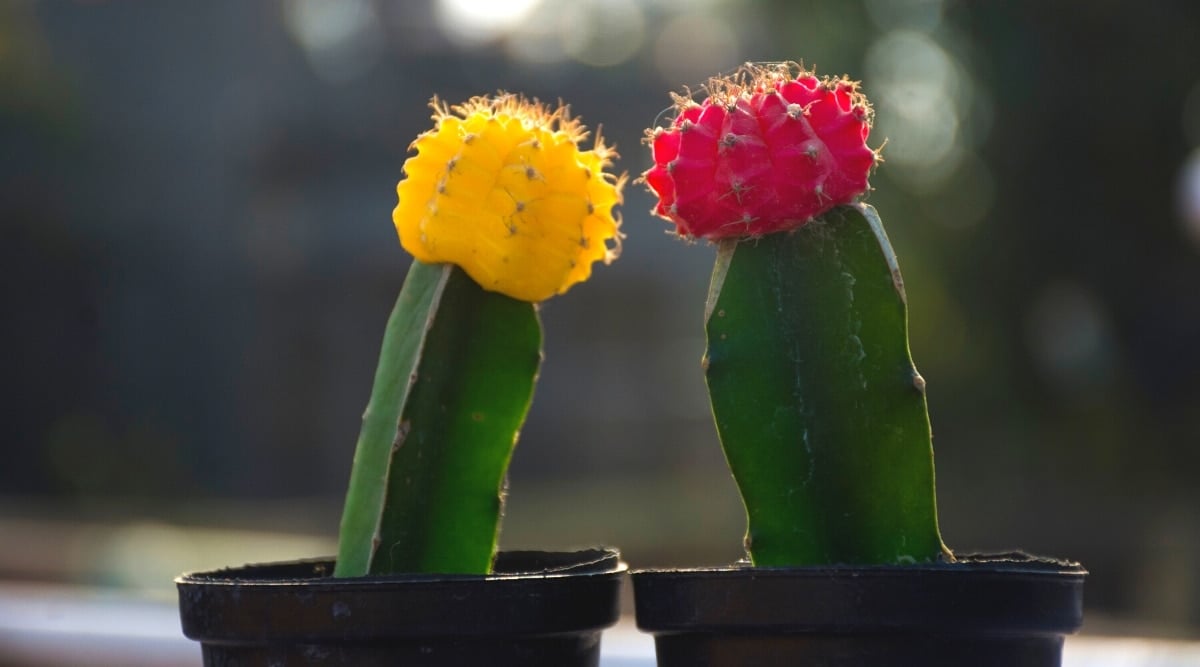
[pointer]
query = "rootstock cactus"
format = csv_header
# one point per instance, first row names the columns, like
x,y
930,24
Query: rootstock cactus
x,y
769,149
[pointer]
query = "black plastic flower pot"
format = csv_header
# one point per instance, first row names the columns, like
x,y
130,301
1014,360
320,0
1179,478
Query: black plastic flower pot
x,y
1008,610
538,608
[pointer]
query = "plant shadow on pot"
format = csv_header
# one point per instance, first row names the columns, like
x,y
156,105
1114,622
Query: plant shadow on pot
x,y
538,608
1009,610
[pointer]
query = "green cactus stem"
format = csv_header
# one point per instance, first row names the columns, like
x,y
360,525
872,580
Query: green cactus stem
x,y
819,408
454,382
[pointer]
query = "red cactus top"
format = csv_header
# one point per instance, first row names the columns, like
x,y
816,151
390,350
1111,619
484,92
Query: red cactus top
x,y
769,149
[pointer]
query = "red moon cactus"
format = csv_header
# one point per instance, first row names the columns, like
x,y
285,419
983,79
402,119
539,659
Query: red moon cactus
x,y
769,149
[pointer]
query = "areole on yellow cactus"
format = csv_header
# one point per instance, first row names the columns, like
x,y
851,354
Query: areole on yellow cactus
x,y
501,187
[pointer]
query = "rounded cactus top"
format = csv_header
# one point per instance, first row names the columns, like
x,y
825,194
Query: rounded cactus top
x,y
502,188
769,149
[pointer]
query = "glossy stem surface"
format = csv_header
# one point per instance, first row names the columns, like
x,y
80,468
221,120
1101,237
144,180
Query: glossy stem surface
x,y
454,382
819,408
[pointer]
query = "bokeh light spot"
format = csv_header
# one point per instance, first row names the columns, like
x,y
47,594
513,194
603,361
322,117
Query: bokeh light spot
x,y
919,93
475,22
603,33
693,47
539,41
1189,196
340,39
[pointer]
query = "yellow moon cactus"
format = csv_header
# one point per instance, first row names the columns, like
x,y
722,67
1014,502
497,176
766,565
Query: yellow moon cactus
x,y
501,187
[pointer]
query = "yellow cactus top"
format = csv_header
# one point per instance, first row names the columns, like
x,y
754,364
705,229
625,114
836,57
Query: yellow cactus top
x,y
501,187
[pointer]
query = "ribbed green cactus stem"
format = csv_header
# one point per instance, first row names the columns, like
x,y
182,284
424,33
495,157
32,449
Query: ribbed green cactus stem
x,y
454,382
820,411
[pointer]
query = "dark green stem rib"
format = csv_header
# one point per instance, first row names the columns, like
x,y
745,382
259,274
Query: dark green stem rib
x,y
820,410
453,385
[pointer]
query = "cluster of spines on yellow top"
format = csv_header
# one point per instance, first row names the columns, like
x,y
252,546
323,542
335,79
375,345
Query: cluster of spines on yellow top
x,y
501,187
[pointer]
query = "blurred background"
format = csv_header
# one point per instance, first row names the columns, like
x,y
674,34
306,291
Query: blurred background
x,y
197,261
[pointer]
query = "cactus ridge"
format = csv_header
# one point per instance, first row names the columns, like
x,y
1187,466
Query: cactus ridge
x,y
768,150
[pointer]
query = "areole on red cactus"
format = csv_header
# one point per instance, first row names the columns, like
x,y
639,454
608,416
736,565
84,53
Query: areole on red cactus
x,y
770,148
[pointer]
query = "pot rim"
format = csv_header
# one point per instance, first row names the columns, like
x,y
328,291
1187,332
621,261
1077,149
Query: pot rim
x,y
1013,561
536,593
1010,594
318,571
